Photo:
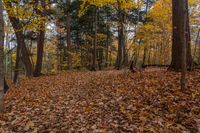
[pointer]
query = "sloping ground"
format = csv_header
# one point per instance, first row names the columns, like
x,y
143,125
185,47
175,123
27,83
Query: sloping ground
x,y
104,102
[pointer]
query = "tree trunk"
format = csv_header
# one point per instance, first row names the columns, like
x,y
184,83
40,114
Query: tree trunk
x,y
149,56
25,54
40,43
95,40
40,51
100,58
184,40
110,57
144,56
125,50
107,43
1,58
69,49
16,71
188,38
119,52
135,57
196,44
20,41
121,40
176,38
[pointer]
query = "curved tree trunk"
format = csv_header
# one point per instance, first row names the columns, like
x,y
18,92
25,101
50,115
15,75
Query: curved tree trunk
x,y
24,53
20,41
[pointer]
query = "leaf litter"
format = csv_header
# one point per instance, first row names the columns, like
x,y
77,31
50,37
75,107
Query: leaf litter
x,y
104,102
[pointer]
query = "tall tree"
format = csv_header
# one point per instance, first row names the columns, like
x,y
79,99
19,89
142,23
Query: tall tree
x,y
16,71
121,37
40,39
121,7
95,39
183,40
17,26
68,27
1,57
177,42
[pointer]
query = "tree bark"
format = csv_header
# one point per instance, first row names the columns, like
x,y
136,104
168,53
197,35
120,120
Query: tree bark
x,y
188,38
184,40
107,43
16,71
40,43
1,58
121,39
144,56
176,38
196,44
40,51
95,39
20,41
69,49
25,53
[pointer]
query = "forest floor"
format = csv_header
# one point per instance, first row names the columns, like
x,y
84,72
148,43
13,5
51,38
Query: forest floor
x,y
104,102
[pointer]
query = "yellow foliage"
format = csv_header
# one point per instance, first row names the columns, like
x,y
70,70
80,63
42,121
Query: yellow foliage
x,y
26,13
123,4
160,16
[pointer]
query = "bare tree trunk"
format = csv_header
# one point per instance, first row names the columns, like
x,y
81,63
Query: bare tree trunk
x,y
196,44
69,49
183,36
16,71
1,58
95,40
40,42
149,56
107,44
24,53
136,57
119,52
110,56
144,56
100,58
177,45
20,41
40,51
189,60
121,39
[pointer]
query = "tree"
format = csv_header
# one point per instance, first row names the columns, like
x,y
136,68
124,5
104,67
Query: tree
x,y
177,39
155,33
1,57
121,37
95,39
68,27
17,26
26,17
183,40
40,39
121,7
